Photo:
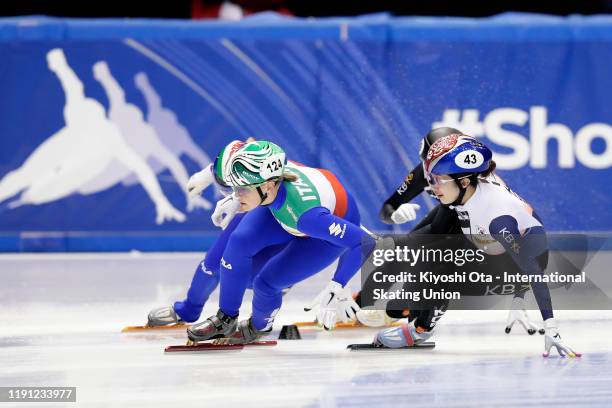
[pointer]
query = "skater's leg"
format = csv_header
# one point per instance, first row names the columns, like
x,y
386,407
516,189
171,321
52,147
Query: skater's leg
x,y
206,277
302,258
204,282
261,258
258,230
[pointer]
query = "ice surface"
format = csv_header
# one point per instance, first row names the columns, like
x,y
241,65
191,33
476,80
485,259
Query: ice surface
x,y
62,315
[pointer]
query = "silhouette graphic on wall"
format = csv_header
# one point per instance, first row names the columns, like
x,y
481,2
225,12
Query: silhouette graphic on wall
x,y
79,153
141,136
170,131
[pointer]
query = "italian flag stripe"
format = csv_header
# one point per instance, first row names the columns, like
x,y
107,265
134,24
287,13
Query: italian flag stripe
x,y
339,191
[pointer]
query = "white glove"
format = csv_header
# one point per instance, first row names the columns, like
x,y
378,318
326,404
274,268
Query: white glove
x,y
334,301
199,181
553,338
404,213
225,210
518,314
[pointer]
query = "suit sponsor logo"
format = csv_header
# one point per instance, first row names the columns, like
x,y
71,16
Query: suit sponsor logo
x,y
337,229
206,271
226,265
405,184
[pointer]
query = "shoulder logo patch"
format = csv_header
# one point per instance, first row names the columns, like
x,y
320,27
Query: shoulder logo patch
x,y
336,229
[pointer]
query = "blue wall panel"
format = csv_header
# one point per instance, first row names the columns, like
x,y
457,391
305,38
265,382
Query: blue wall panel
x,y
98,135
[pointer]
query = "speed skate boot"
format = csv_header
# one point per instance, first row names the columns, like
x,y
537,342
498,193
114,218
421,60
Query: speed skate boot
x,y
405,335
163,316
247,333
219,325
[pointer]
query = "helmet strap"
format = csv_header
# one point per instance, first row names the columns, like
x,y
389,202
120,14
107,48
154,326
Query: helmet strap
x,y
462,190
262,195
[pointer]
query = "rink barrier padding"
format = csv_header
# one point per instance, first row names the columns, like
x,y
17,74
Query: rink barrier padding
x,y
351,95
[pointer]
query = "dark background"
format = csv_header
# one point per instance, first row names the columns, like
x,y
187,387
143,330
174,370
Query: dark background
x,y
186,9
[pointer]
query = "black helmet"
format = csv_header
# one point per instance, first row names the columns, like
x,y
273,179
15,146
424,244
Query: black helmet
x,y
433,136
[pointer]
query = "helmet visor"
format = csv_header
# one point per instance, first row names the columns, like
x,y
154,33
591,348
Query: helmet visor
x,y
438,180
244,190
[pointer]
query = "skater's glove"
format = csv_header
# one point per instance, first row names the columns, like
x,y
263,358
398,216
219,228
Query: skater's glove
x,y
552,338
517,313
404,213
332,303
225,211
200,181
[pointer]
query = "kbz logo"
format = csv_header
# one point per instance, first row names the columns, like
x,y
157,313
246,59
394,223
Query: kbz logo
x,y
542,136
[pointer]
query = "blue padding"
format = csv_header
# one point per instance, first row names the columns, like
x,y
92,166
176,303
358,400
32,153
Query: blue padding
x,y
201,242
351,95
60,242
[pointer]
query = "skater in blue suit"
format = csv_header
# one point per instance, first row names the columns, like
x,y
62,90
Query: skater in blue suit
x,y
305,210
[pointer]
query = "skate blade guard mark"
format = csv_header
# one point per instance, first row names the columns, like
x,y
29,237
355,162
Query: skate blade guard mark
x,y
177,326
216,347
340,325
428,345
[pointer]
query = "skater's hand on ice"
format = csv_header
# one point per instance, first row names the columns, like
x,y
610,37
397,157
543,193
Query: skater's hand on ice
x,y
200,181
332,303
518,314
225,211
552,338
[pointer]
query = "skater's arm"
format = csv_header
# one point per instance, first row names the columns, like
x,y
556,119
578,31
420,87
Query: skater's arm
x,y
319,223
412,186
524,251
200,181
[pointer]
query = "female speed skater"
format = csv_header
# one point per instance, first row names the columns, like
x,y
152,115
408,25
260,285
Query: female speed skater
x,y
398,209
457,169
311,215
226,216
206,277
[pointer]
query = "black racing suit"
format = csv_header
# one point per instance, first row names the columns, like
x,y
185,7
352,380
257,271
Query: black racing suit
x,y
440,220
